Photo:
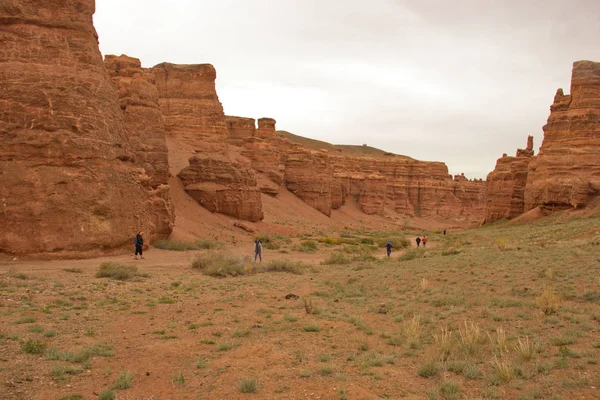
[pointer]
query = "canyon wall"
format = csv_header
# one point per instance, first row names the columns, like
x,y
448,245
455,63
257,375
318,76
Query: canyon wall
x,y
505,187
68,182
222,185
191,107
566,172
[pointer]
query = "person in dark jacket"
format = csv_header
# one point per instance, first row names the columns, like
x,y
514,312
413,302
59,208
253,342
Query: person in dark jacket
x,y
139,245
257,250
418,240
388,247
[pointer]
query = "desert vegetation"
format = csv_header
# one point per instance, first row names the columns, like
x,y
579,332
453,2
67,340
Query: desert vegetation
x,y
505,311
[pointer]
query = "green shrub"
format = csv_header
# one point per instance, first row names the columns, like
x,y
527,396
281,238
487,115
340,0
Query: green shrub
x,y
264,239
312,328
61,370
117,271
330,241
336,258
398,242
249,385
307,246
293,267
33,347
107,395
367,241
219,264
123,380
273,245
429,369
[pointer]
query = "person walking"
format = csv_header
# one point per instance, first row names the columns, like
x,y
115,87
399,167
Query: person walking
x,y
444,231
424,241
257,250
418,240
139,245
388,247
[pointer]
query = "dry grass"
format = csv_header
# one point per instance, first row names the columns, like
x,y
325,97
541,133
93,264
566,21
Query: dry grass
x,y
498,342
219,264
526,349
443,343
504,368
117,271
548,301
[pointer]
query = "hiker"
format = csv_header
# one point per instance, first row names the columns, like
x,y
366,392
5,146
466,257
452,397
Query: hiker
x,y
388,247
418,240
139,245
424,241
444,231
257,250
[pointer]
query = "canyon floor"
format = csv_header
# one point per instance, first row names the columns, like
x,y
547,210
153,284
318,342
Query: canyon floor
x,y
506,311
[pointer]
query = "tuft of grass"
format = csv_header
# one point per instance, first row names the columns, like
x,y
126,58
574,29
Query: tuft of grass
x,y
123,380
202,363
225,346
290,317
429,369
107,395
73,270
306,246
498,343
33,346
469,335
117,271
336,258
219,264
312,328
449,390
36,329
249,385
178,379
293,267
60,371
548,301
504,368
412,329
443,343
526,349
174,245
24,320
206,244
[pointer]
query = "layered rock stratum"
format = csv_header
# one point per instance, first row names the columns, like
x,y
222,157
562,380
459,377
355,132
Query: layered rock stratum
x,y
223,185
566,172
505,188
69,182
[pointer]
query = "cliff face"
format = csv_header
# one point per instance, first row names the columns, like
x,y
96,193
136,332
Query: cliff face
x,y
67,178
408,186
240,128
222,185
190,105
505,189
142,117
567,172
308,175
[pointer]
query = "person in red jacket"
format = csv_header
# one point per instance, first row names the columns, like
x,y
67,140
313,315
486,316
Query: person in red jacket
x,y
424,240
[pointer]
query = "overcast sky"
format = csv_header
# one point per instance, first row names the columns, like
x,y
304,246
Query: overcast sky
x,y
456,81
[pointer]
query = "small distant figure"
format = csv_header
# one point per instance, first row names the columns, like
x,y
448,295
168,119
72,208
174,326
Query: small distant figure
x,y
388,247
444,231
418,240
424,241
139,245
422,232
257,250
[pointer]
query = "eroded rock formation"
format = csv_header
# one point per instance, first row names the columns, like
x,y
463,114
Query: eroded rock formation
x,y
505,188
566,172
68,183
308,175
266,128
190,105
240,129
142,117
223,185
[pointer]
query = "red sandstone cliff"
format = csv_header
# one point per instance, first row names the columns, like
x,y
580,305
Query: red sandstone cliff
x,y
566,171
505,188
67,178
190,105
222,185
